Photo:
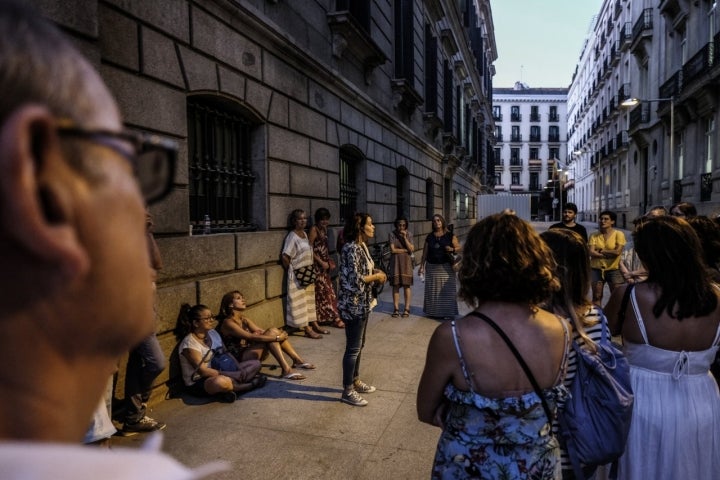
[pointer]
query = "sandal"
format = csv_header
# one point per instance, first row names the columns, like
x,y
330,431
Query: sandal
x,y
338,323
395,314
317,329
304,366
294,376
406,314
310,334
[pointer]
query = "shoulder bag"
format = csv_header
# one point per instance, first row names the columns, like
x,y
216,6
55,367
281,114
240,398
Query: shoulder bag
x,y
595,420
306,275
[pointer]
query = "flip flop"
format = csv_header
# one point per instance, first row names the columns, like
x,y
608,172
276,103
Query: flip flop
x,y
294,376
304,366
338,324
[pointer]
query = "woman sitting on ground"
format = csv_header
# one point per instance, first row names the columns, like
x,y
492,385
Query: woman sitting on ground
x,y
250,342
199,343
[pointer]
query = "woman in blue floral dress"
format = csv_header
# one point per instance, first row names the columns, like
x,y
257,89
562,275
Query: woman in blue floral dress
x,y
494,424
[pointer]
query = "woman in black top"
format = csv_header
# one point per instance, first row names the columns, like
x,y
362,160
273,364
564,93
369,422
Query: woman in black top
x,y
437,264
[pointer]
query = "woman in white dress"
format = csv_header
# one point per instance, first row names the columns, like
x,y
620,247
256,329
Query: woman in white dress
x,y
670,328
297,253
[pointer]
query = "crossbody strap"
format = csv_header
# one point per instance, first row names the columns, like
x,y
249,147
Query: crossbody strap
x,y
520,360
623,306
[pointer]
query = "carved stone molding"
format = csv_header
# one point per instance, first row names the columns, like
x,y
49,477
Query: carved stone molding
x,y
349,37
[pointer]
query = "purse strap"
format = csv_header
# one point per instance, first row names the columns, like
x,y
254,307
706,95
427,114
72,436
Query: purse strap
x,y
520,360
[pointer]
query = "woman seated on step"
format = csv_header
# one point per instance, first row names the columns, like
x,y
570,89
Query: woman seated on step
x,y
199,344
250,342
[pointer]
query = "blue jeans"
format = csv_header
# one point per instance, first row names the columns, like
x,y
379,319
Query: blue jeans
x,y
355,327
145,363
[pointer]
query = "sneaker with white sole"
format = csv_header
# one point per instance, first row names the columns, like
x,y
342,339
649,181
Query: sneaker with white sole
x,y
145,425
353,398
362,387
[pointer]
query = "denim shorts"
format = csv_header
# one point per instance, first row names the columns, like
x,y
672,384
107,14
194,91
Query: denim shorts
x,y
607,276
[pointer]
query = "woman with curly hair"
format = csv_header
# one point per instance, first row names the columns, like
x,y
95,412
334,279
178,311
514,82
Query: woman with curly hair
x,y
325,298
494,424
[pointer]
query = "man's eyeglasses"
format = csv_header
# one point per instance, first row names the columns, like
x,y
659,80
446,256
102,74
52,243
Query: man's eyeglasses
x,y
152,157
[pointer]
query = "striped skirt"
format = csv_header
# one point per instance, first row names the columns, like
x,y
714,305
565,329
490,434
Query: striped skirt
x,y
440,290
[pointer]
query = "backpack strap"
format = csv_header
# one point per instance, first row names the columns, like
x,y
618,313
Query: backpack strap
x,y
520,360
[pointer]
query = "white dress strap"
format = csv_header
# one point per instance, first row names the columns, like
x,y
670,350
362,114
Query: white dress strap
x,y
636,309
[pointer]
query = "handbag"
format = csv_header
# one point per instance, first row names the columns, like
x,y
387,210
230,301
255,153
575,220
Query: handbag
x,y
223,361
595,420
306,275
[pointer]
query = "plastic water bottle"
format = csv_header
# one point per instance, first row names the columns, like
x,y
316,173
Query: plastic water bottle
x,y
207,227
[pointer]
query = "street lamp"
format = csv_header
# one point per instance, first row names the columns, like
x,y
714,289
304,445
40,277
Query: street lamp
x,y
632,102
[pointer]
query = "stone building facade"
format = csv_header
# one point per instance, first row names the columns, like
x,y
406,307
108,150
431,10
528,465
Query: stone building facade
x,y
531,146
370,105
663,147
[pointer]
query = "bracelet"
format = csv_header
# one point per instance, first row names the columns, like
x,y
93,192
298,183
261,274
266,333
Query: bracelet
x,y
277,338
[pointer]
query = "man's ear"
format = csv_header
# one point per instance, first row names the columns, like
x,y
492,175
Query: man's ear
x,y
36,194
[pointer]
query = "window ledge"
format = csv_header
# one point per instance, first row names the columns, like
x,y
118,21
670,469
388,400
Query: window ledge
x,y
348,36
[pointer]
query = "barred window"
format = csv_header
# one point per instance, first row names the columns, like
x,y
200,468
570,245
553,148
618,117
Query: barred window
x,y
402,192
348,185
220,173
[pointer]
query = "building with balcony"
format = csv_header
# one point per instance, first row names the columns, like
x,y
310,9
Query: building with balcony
x,y
664,148
530,133
351,105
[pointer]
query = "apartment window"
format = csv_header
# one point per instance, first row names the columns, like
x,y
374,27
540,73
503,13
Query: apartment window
x,y
514,156
498,157
515,113
554,153
534,133
515,134
404,44
534,181
515,178
220,174
402,192
534,153
534,113
498,179
497,113
431,72
498,133
553,133
348,183
554,117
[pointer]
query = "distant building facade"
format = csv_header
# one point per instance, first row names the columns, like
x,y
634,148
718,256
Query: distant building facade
x,y
351,105
531,145
664,148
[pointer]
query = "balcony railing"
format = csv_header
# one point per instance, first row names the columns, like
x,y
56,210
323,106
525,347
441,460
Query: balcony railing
x,y
498,137
516,137
497,117
643,25
534,117
535,137
639,115
700,63
621,140
623,92
515,162
671,87
516,117
554,117
625,36
554,138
